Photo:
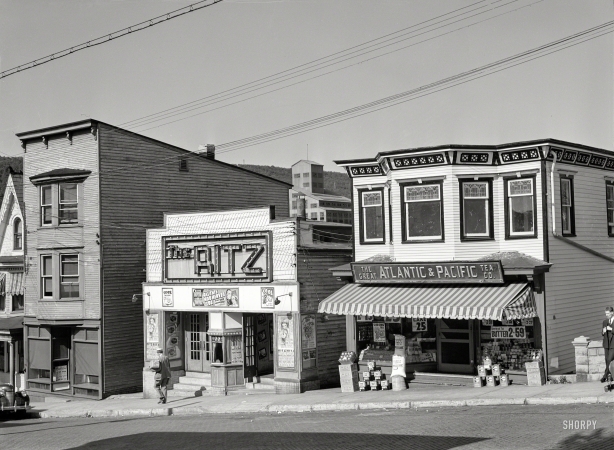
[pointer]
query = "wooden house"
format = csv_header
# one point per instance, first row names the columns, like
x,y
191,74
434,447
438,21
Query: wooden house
x,y
92,190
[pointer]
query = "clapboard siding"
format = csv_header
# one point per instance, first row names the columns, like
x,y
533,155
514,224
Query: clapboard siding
x,y
453,247
140,180
38,158
317,283
579,285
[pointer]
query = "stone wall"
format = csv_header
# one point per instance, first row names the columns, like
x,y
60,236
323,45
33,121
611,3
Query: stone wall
x,y
590,359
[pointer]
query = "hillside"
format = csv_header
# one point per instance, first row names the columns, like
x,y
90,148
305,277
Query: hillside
x,y
16,162
334,182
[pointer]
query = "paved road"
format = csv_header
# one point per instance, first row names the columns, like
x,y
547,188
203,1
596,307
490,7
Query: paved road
x,y
517,427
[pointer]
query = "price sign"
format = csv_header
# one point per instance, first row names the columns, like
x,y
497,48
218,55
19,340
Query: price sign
x,y
418,324
508,333
528,322
487,322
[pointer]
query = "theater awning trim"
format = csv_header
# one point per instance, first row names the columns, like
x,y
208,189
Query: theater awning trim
x,y
509,301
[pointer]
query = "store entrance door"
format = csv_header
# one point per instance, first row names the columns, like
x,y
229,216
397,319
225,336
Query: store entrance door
x,y
198,350
455,347
249,336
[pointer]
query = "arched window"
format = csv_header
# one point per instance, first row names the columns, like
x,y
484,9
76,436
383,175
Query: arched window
x,y
17,234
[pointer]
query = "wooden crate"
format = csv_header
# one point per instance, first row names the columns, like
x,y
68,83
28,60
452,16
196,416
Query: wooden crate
x,y
536,377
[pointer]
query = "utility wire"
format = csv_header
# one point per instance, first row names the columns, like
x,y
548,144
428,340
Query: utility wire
x,y
319,65
111,36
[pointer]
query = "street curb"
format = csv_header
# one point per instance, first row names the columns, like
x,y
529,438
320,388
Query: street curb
x,y
297,408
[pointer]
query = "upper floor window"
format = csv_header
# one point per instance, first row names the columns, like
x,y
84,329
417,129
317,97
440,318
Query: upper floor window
x,y
68,204
314,205
609,197
568,226
314,216
476,209
17,234
297,175
305,184
306,175
46,274
46,205
520,207
69,276
17,302
422,212
372,216
321,216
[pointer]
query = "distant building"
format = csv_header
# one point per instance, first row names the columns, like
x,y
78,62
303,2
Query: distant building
x,y
332,212
11,277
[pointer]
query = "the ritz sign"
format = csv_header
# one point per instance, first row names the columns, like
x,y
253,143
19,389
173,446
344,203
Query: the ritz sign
x,y
240,257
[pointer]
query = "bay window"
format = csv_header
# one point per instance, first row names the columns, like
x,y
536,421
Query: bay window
x,y
476,209
46,276
68,203
422,212
60,276
520,207
567,212
372,216
46,205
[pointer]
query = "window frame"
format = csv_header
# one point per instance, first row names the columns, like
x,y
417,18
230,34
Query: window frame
x,y
572,216
14,298
62,276
405,239
609,186
17,233
60,203
506,197
45,206
489,210
43,276
363,239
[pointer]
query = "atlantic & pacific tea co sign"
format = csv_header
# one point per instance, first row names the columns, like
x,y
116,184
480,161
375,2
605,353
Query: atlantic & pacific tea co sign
x,y
441,272
221,258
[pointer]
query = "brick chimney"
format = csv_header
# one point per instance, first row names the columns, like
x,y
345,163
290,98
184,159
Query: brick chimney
x,y
208,149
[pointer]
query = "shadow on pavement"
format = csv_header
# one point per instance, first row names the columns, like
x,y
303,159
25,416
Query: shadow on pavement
x,y
40,423
272,440
601,438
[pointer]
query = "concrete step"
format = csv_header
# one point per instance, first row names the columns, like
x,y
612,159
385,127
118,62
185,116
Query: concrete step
x,y
268,380
188,387
198,375
195,381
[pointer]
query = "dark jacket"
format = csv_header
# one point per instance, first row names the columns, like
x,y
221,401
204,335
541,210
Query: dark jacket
x,y
608,336
164,368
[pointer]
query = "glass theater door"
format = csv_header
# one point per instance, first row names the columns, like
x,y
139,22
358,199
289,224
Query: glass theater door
x,y
198,351
455,348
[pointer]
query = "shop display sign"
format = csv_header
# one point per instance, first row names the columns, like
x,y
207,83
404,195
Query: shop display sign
x,y
489,272
308,331
508,333
167,297
487,322
418,324
219,258
173,336
364,318
267,297
215,298
379,332
507,322
528,322
153,341
285,341
60,373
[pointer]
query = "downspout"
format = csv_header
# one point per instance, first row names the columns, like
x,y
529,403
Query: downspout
x,y
552,193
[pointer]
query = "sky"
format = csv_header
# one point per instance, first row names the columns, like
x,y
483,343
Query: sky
x,y
567,95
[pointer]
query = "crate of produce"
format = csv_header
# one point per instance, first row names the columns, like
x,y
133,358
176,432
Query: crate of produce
x,y
478,381
375,385
366,375
504,380
535,365
347,358
496,370
491,381
385,384
536,377
363,386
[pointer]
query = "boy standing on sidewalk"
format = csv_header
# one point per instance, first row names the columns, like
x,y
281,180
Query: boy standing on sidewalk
x,y
608,341
163,374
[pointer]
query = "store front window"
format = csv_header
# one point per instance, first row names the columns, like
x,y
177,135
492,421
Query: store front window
x,y
509,343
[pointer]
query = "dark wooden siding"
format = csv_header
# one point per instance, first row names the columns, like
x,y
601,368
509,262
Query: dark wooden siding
x,y
140,180
317,283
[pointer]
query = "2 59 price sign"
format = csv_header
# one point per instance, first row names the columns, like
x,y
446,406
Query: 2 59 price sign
x,y
508,333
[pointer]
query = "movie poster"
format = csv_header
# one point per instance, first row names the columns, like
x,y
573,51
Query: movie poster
x,y
285,341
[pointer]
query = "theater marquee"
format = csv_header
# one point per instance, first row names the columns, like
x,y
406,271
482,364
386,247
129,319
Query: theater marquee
x,y
220,258
488,272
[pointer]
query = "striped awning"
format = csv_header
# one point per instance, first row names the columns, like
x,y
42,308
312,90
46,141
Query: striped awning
x,y
14,283
455,301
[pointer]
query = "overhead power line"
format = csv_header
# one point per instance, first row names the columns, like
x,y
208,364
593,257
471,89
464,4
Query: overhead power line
x,y
317,66
111,36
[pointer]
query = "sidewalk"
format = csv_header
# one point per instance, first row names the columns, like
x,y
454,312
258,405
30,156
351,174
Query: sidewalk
x,y
250,401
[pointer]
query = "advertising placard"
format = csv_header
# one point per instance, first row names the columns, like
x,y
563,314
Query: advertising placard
x,y
379,332
167,297
267,297
418,324
285,341
308,331
215,297
508,333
